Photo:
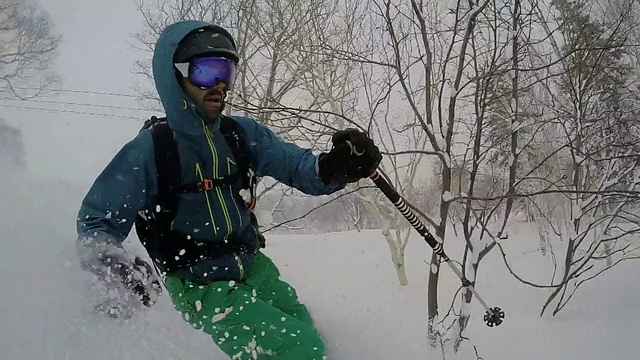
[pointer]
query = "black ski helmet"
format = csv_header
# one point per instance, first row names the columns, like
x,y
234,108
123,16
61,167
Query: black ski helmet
x,y
210,40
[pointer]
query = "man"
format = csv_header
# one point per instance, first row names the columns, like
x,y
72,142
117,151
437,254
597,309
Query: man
x,y
208,253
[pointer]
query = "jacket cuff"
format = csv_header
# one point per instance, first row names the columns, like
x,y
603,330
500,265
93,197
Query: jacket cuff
x,y
332,185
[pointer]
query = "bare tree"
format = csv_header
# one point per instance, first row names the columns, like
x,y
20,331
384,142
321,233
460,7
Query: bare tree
x,y
397,57
481,64
27,48
577,163
597,109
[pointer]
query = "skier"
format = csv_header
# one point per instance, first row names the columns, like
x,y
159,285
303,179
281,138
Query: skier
x,y
182,182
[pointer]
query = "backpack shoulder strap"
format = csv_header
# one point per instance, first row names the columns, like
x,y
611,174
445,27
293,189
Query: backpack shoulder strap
x,y
230,129
167,161
237,142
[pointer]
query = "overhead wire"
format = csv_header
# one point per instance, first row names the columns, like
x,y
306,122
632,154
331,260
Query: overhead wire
x,y
69,91
83,112
56,102
74,112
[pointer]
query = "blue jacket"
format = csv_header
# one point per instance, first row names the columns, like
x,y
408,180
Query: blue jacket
x,y
128,182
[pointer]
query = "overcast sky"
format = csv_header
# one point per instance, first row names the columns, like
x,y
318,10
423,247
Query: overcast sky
x,y
95,55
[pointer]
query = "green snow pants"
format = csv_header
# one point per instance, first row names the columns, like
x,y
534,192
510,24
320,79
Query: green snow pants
x,y
258,318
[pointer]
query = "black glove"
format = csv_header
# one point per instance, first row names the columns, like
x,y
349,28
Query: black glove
x,y
126,283
137,277
353,156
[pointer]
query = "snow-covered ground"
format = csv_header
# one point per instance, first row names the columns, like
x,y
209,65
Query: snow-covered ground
x,y
346,279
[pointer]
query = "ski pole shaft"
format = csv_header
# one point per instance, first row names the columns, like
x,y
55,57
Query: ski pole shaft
x,y
493,316
406,211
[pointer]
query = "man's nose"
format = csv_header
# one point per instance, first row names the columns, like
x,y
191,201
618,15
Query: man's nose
x,y
220,86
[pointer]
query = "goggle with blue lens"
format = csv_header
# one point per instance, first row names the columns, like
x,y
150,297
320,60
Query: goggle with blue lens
x,y
206,72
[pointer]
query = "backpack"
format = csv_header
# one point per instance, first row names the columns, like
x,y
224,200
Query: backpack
x,y
171,249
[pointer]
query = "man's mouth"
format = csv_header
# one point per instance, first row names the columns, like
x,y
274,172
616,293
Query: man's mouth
x,y
214,100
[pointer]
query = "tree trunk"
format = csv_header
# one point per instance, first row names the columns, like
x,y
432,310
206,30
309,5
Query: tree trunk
x,y
397,256
432,300
397,253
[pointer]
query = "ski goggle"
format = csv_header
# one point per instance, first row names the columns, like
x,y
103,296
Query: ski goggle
x,y
206,72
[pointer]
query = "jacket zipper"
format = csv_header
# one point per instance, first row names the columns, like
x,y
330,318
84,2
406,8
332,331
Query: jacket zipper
x,y
225,210
214,156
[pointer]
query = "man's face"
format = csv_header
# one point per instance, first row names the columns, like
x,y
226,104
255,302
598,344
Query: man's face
x,y
210,99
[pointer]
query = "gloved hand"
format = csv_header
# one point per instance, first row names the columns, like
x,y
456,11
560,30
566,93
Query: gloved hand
x,y
353,156
126,283
137,277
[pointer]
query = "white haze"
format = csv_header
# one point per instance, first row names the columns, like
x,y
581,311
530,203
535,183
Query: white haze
x,y
346,279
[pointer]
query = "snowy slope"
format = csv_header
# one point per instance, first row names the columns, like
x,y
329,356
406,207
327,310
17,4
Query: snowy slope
x,y
346,279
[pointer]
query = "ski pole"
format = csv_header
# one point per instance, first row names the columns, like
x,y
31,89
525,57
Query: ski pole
x,y
493,316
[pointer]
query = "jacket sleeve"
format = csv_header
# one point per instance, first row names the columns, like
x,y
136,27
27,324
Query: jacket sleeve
x,y
109,209
286,162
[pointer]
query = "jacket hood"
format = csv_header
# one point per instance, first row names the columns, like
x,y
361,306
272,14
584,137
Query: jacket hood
x,y
182,113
